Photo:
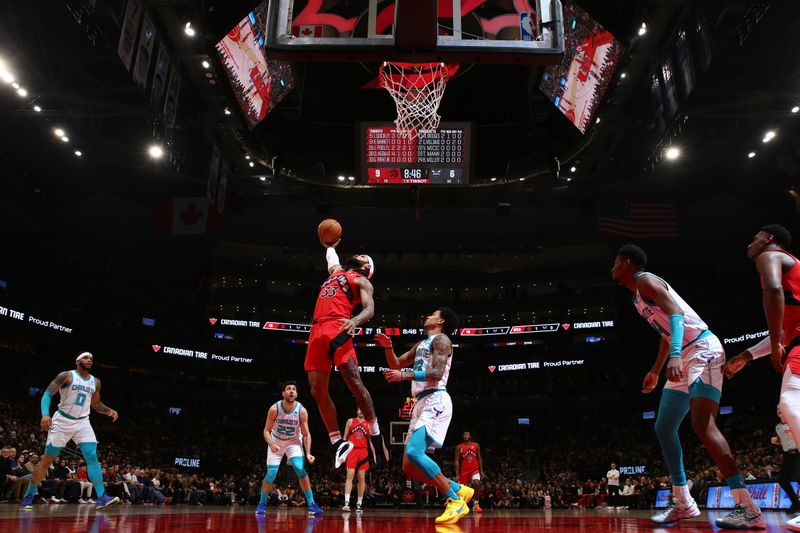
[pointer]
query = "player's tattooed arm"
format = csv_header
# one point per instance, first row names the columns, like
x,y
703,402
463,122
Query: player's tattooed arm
x,y
60,381
442,349
99,406
367,307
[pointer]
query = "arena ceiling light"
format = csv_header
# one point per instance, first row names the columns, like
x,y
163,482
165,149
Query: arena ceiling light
x,y
768,136
6,76
573,169
227,111
341,178
78,153
188,30
351,178
15,85
623,75
64,138
59,132
263,178
795,109
155,151
642,29
37,109
672,153
22,92
206,64
252,164
751,155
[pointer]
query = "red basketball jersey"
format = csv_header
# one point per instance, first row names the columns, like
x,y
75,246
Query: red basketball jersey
x,y
791,298
469,457
338,296
359,433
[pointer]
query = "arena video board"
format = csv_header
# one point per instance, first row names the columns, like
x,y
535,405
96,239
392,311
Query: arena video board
x,y
577,84
437,157
258,83
765,496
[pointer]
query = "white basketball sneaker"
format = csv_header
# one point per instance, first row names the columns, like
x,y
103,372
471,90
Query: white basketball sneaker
x,y
676,512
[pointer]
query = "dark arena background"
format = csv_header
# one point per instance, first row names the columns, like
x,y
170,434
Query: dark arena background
x,y
164,166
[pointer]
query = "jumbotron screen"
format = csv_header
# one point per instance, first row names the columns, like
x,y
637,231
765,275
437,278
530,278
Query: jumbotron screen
x,y
576,85
258,83
437,157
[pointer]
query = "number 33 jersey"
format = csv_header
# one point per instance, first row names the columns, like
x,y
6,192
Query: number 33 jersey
x,y
338,296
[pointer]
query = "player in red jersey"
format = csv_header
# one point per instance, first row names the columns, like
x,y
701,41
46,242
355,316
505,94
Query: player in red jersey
x,y
469,465
780,279
331,342
357,431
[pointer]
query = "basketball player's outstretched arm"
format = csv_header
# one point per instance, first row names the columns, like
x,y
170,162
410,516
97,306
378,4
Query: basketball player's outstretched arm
x,y
392,360
365,290
442,348
306,435
655,290
61,380
272,414
332,258
99,406
770,266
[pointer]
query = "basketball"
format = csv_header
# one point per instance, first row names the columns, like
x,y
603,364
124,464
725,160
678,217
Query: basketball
x,y
329,231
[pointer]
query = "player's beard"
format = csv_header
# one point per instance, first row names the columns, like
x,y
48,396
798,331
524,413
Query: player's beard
x,y
357,265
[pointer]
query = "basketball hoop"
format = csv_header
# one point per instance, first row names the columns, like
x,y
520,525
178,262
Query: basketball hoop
x,y
417,90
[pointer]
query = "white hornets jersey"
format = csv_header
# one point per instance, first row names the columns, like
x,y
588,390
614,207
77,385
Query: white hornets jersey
x,y
692,323
76,398
422,361
287,425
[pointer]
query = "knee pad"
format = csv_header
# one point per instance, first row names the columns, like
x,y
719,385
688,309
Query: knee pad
x,y
89,451
298,464
272,473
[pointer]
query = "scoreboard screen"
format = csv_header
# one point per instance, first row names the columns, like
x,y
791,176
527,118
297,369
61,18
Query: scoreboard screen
x,y
437,157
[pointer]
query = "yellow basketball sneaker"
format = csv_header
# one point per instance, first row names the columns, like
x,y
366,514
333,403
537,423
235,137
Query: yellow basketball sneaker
x,y
466,493
454,510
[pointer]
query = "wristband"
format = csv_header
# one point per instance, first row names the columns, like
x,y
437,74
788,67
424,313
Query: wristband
x,y
419,375
331,257
46,403
675,335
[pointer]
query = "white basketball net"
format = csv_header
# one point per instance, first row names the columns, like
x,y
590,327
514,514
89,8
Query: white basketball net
x,y
417,90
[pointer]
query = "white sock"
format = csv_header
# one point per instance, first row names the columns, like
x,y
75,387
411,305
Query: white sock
x,y
335,436
682,495
347,498
373,426
360,500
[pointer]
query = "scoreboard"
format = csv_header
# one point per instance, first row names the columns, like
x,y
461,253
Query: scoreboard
x,y
438,157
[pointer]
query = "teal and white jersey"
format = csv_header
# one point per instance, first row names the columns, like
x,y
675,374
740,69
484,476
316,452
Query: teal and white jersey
x,y
287,425
422,361
76,398
692,323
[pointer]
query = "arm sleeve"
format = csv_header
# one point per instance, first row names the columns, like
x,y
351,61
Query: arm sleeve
x,y
675,335
46,397
761,349
332,257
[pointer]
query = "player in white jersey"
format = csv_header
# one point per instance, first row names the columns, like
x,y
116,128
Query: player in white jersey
x,y
80,393
286,433
694,373
431,359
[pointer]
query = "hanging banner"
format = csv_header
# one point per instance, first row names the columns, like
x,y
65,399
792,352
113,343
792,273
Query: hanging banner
x,y
159,78
130,28
147,38
171,101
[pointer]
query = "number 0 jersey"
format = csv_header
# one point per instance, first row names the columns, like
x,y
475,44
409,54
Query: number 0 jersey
x,y
656,317
422,361
338,296
76,398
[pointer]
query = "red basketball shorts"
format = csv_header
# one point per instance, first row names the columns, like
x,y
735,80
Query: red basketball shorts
x,y
328,345
358,459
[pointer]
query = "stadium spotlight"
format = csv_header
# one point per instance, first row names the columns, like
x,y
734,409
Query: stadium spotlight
x,y
672,153
155,151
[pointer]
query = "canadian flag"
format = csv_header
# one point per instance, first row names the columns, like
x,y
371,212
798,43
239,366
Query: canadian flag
x,y
186,216
314,30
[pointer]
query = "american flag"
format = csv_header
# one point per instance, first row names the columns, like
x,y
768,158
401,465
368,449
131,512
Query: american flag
x,y
637,220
